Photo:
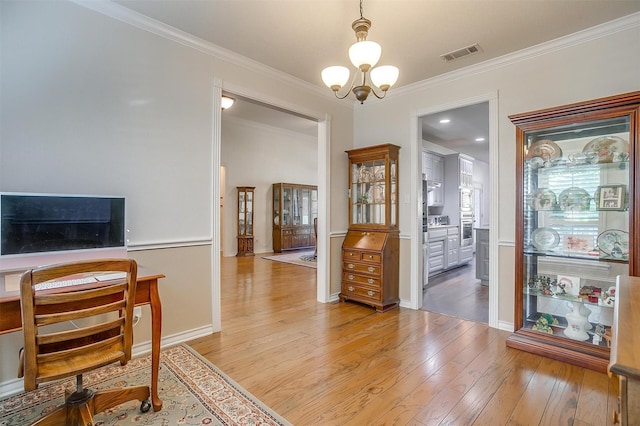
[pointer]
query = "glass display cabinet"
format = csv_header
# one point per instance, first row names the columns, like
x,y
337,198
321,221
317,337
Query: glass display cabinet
x,y
576,214
370,251
373,186
295,206
245,220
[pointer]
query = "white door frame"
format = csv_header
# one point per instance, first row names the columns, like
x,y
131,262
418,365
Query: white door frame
x,y
416,190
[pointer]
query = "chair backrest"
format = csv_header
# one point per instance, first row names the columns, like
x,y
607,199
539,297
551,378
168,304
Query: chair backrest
x,y
104,307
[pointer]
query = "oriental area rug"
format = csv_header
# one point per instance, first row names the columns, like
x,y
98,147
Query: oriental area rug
x,y
300,258
193,391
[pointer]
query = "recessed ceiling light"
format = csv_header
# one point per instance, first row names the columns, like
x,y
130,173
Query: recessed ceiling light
x,y
479,139
445,121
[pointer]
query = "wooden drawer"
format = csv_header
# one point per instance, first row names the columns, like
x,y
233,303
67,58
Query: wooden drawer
x,y
361,267
361,292
361,279
372,257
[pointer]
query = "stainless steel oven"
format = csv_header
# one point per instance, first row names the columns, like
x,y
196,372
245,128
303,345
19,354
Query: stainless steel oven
x,y
466,230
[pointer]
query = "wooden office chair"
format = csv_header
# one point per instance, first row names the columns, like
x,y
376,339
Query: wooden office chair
x,y
50,354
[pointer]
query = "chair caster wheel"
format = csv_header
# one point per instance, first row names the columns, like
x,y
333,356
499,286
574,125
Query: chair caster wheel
x,y
145,406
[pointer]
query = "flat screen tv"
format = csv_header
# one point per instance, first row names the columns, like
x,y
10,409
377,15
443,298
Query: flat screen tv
x,y
37,229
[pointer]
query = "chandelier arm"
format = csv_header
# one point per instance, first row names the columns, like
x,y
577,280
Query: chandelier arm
x,y
345,95
373,90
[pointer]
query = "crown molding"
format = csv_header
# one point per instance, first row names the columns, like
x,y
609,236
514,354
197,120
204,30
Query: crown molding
x,y
138,20
589,34
143,22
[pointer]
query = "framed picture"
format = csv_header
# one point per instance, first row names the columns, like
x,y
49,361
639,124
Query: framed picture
x,y
611,197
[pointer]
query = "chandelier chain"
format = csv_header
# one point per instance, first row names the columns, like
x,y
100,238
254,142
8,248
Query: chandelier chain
x,y
361,17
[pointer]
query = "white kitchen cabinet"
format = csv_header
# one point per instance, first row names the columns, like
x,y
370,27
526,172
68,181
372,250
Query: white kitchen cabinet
x,y
466,172
433,169
465,254
453,246
458,174
437,168
482,255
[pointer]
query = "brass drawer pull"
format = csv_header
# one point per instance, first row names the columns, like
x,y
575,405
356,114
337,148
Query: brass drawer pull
x,y
370,257
350,266
370,293
370,280
371,269
350,276
350,288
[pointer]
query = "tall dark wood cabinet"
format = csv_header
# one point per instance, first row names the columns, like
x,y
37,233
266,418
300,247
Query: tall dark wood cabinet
x,y
295,207
245,220
370,251
577,225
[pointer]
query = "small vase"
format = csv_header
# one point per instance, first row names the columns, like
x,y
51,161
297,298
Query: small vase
x,y
576,327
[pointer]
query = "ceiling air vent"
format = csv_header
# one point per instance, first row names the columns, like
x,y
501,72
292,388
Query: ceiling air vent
x,y
465,51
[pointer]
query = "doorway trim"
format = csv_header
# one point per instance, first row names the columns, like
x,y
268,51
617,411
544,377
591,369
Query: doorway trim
x,y
323,158
416,246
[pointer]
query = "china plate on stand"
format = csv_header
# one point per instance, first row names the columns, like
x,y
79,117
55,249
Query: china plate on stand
x,y
545,238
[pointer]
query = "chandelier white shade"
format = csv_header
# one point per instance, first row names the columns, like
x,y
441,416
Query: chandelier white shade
x,y
364,55
385,76
335,76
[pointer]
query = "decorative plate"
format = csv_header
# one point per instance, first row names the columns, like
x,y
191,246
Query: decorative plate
x,y
545,149
607,149
574,200
542,199
614,242
545,238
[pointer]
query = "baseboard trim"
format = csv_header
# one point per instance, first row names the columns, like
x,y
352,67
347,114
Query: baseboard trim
x,y
14,386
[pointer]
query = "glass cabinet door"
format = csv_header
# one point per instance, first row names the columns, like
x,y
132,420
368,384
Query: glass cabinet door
x,y
575,236
306,206
249,213
295,206
314,204
373,186
286,205
368,191
241,213
245,211
276,205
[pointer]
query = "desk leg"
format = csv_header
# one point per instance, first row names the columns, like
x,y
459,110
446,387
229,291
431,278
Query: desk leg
x,y
156,335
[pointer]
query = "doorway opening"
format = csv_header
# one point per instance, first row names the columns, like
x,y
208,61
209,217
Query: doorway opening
x,y
456,211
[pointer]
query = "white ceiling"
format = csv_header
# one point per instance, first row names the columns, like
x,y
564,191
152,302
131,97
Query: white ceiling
x,y
301,37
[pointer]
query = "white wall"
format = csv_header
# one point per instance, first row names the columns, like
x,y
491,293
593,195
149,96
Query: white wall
x,y
260,155
93,104
585,66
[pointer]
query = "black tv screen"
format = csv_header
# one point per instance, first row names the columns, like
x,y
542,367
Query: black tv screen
x,y
36,223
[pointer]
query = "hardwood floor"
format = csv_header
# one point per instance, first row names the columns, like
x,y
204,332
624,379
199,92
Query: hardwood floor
x,y
458,293
345,364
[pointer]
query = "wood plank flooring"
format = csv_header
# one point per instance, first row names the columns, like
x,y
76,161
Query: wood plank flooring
x,y
345,364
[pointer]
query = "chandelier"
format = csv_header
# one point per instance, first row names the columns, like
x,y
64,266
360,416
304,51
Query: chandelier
x,y
364,55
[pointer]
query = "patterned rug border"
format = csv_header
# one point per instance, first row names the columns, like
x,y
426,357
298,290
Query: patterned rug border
x,y
294,258
223,398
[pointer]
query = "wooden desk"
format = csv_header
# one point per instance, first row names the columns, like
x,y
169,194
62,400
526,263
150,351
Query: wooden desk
x,y
146,294
625,349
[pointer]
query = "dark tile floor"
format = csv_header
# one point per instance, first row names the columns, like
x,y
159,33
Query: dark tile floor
x,y
458,293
